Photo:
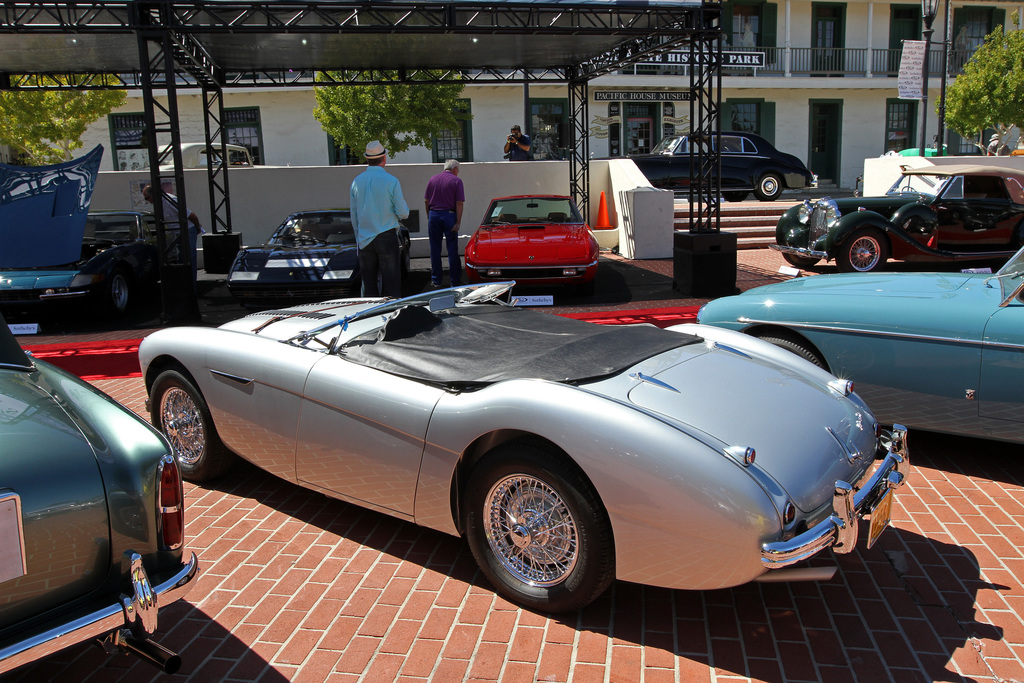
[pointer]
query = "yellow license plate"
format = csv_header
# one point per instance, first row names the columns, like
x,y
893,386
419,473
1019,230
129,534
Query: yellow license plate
x,y
880,516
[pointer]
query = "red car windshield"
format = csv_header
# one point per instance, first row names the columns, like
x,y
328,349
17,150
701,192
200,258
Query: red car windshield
x,y
532,210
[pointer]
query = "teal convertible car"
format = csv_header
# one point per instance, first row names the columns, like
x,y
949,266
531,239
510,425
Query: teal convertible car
x,y
92,519
936,351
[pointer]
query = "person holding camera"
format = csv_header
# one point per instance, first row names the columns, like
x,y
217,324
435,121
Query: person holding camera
x,y
518,145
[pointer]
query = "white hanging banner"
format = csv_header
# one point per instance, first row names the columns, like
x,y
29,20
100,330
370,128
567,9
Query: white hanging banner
x,y
910,80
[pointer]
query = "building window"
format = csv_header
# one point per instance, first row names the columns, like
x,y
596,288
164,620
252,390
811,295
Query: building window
x,y
900,116
746,26
549,123
341,155
750,116
751,25
129,142
242,127
455,144
743,117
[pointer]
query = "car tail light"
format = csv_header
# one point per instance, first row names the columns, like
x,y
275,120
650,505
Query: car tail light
x,y
171,504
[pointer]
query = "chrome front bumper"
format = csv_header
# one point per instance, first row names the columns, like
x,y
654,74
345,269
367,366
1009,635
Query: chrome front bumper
x,y
840,530
136,612
799,251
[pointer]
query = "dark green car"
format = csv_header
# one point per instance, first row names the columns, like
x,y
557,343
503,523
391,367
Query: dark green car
x,y
91,518
934,213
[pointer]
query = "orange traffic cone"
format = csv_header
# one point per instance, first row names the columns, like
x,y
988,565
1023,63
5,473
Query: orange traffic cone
x,y
602,215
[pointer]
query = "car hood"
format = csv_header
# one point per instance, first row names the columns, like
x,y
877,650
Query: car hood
x,y
44,226
910,285
887,202
279,252
561,241
805,444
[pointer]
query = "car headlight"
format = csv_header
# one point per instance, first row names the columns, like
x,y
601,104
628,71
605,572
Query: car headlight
x,y
85,279
244,276
804,212
831,214
338,274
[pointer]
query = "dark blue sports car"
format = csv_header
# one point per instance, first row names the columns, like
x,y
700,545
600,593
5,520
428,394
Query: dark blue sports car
x,y
118,256
310,257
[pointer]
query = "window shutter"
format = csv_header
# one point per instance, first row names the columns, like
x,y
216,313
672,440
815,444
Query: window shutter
x,y
727,21
769,25
998,19
767,122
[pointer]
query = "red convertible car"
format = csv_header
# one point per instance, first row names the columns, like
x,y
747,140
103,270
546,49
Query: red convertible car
x,y
534,240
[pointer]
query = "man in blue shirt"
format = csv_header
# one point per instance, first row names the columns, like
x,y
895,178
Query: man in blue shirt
x,y
376,204
518,145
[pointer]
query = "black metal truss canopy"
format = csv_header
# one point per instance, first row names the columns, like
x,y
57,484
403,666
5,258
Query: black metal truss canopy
x,y
164,45
545,38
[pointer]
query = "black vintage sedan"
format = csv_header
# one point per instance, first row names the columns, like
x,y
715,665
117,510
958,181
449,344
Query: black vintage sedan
x,y
749,164
310,257
118,259
91,518
934,213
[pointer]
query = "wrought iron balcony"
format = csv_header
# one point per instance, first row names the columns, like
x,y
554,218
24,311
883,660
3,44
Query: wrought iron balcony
x,y
806,62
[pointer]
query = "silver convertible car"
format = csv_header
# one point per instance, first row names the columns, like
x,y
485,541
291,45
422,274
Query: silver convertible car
x,y
567,453
937,351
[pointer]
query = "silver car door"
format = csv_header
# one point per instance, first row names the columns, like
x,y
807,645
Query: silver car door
x,y
254,391
361,434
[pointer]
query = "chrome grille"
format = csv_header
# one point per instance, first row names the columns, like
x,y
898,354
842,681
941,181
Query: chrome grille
x,y
817,224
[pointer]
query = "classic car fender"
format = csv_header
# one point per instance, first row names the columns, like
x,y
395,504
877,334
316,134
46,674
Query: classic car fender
x,y
850,223
253,386
128,464
683,514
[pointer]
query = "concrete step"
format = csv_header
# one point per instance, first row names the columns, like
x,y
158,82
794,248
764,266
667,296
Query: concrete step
x,y
753,221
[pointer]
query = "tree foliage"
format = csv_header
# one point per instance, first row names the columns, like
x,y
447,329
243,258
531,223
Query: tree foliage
x,y
990,92
46,126
400,115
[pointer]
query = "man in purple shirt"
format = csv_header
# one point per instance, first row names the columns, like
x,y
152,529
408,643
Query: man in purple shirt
x,y
443,201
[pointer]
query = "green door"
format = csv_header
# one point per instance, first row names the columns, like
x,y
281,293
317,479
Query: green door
x,y
826,137
904,24
828,38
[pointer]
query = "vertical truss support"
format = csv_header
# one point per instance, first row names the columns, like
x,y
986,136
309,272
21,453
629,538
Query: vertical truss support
x,y
217,139
579,142
705,125
177,284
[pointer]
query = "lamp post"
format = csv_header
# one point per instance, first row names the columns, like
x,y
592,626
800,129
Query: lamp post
x,y
928,10
945,75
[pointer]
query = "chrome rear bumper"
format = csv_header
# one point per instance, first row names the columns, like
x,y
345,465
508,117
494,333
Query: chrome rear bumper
x,y
840,530
136,612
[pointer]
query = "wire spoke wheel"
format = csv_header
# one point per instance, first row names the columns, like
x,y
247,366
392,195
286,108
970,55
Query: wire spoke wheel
x,y
537,528
179,411
866,250
531,530
182,423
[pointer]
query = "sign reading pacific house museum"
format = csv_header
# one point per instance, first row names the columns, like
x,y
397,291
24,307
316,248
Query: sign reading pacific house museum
x,y
642,96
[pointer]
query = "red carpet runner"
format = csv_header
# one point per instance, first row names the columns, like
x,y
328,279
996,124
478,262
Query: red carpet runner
x,y
120,357
93,360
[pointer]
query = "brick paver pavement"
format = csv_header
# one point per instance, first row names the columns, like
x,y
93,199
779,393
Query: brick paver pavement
x,y
299,587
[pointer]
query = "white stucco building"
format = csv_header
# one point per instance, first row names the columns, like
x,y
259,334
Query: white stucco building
x,y
819,82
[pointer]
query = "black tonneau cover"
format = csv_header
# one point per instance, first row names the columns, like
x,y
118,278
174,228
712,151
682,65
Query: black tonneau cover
x,y
487,343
